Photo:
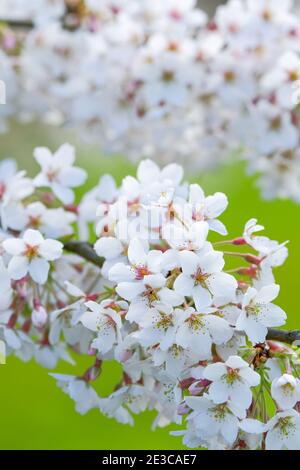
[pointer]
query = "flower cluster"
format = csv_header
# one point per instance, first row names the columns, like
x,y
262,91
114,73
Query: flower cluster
x,y
158,78
191,334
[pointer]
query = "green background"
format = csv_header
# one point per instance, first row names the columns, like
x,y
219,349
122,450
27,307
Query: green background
x,y
34,413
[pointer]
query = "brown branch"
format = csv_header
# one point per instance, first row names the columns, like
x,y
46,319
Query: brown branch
x,y
86,251
284,336
70,20
17,24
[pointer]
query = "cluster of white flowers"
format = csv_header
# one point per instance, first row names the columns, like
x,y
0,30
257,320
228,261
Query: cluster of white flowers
x,y
158,79
152,294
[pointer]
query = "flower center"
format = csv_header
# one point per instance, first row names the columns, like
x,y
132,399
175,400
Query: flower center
x,y
285,425
52,174
195,322
35,222
31,251
232,375
219,412
168,76
150,294
267,15
141,272
200,278
229,76
164,322
252,309
288,389
275,123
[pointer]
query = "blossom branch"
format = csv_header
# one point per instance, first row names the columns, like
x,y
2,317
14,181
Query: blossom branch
x,y
284,336
85,250
18,24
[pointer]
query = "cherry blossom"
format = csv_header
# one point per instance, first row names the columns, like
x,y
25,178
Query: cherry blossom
x,y
58,173
259,313
31,254
154,294
161,81
286,391
231,381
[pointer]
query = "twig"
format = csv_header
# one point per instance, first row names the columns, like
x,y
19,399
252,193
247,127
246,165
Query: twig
x,y
284,336
17,24
86,251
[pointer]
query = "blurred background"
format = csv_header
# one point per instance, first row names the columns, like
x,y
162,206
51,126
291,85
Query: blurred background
x,y
35,414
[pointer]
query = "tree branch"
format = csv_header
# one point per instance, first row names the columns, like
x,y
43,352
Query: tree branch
x,y
86,251
17,24
284,336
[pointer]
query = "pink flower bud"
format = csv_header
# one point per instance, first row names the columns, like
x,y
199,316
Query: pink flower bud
x,y
239,241
39,316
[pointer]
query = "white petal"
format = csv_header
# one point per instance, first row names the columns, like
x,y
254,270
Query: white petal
x,y
236,362
105,339
198,403
65,195
252,426
154,280
39,269
229,428
18,267
212,262
272,315
215,205
196,194
154,260
33,237
14,246
74,290
267,293
255,331
218,392
148,172
72,177
50,249
43,156
170,297
201,297
189,262
241,395
90,320
274,440
121,272
108,247
222,286
184,285
136,252
12,339
130,290
219,329
214,371
65,155
217,226
250,376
